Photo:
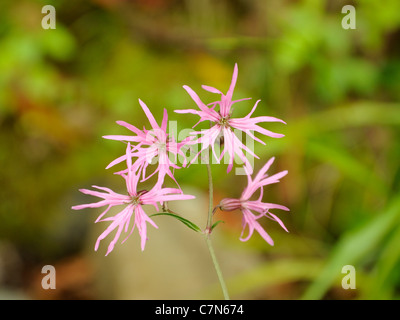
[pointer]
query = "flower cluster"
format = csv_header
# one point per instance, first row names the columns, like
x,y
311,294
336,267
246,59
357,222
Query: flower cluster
x,y
150,144
146,147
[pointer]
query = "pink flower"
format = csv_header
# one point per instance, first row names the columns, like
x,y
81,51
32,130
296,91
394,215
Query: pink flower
x,y
133,202
151,145
247,206
224,124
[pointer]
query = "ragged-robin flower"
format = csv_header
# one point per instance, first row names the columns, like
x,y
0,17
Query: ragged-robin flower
x,y
133,202
247,206
154,144
223,124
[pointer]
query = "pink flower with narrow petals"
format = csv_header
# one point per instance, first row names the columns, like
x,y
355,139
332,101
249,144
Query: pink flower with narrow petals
x,y
133,201
224,124
152,145
247,206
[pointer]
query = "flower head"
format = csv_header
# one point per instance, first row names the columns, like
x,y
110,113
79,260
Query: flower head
x,y
133,202
224,124
247,206
154,144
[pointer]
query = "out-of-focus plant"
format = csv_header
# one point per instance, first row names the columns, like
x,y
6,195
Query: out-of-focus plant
x,y
156,146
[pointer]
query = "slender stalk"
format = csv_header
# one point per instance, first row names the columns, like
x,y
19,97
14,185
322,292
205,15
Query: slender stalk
x,y
208,233
217,268
210,197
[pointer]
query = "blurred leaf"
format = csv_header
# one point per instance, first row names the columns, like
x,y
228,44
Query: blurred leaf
x,y
348,165
271,273
58,43
353,247
351,115
385,268
357,114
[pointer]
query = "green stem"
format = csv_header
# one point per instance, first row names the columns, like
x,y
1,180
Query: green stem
x,y
210,198
217,268
208,233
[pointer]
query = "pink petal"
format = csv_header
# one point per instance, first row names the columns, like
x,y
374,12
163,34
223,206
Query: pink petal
x,y
211,89
149,115
268,132
264,169
130,127
274,178
211,113
234,146
250,220
173,197
140,220
116,161
251,135
102,214
238,100
104,189
123,138
187,111
253,109
279,221
263,233
164,121
118,222
229,94
267,119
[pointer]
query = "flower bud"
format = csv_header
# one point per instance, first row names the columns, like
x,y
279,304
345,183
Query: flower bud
x,y
229,204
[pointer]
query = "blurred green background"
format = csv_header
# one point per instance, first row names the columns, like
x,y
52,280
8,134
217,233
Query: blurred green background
x,y
338,90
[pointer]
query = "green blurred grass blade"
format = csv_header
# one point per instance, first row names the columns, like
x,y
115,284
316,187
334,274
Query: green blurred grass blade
x,y
347,164
364,113
385,268
358,114
271,273
353,247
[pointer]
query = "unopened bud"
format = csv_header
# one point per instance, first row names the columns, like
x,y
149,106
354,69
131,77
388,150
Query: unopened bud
x,y
229,204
